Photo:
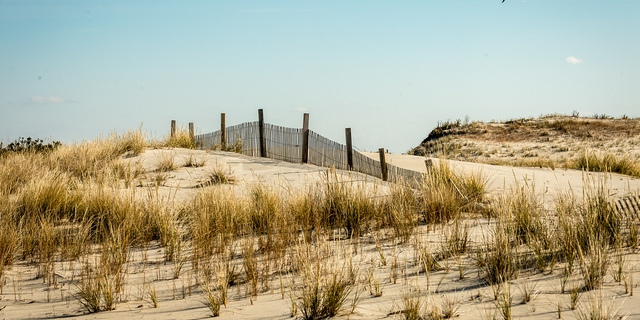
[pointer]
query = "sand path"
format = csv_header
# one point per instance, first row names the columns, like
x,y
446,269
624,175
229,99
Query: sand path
x,y
547,182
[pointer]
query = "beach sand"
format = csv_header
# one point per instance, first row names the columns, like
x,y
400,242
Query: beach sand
x,y
393,264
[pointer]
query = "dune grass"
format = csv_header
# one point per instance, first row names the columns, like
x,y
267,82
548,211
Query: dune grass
x,y
180,139
606,162
71,205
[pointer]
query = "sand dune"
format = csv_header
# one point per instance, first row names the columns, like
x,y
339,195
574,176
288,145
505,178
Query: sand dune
x,y
26,296
547,182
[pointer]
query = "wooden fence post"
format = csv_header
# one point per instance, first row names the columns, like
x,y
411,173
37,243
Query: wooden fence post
x,y
347,133
263,145
428,163
383,165
305,138
223,132
173,128
191,132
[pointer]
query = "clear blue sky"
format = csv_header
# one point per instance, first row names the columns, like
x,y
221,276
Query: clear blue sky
x,y
390,70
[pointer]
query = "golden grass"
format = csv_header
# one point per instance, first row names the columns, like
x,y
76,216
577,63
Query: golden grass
x,y
180,139
74,204
606,162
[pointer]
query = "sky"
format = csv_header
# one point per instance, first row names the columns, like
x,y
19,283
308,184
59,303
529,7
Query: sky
x,y
72,70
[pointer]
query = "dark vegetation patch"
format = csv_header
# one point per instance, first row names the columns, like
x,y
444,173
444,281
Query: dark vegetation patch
x,y
28,145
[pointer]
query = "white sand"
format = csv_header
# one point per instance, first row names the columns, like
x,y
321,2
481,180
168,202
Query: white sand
x,y
26,297
182,183
548,183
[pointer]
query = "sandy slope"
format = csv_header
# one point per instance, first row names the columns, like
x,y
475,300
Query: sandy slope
x,y
182,184
547,182
24,296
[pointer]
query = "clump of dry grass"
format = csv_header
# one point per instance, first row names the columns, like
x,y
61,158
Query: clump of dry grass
x,y
235,146
606,162
213,221
550,163
264,209
592,219
167,163
16,170
48,197
499,259
180,139
440,198
346,204
129,173
102,284
213,298
219,174
89,294
528,214
90,159
403,211
596,309
445,194
504,303
594,264
133,141
519,226
525,236
326,288
193,162
412,306
8,245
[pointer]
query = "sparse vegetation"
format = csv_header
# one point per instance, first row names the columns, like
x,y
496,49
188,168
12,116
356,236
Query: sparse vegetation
x,y
79,210
606,162
219,174
213,298
325,289
413,306
504,303
597,308
551,141
180,139
166,164
193,162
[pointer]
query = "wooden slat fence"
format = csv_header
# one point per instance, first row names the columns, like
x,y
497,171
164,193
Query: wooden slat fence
x,y
285,144
629,207
327,153
242,138
366,165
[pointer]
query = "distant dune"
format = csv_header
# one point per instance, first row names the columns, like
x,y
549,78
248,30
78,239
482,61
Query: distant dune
x,y
600,143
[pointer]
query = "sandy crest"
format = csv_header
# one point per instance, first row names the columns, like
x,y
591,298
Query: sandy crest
x,y
548,183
